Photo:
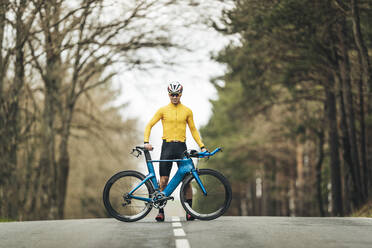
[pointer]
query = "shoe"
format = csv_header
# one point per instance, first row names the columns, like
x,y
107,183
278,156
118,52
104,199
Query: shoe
x,y
189,217
160,217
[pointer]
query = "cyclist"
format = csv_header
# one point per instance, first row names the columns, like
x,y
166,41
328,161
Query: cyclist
x,y
174,117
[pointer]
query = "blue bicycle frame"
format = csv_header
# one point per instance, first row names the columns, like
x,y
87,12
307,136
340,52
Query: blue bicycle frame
x,y
186,165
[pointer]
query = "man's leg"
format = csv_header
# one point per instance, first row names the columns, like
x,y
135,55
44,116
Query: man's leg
x,y
164,171
163,182
188,194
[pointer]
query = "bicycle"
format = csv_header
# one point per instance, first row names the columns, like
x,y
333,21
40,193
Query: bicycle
x,y
129,195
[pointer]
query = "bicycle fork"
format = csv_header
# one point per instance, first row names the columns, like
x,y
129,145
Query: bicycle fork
x,y
197,178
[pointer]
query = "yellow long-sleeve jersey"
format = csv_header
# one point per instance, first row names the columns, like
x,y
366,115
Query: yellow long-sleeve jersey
x,y
174,119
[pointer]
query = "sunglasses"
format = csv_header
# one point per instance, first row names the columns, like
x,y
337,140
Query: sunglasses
x,y
174,95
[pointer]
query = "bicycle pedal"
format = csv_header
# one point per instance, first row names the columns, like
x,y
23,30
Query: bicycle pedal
x,y
170,198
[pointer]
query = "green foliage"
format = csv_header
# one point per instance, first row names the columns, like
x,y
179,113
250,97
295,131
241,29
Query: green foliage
x,y
268,68
273,98
6,220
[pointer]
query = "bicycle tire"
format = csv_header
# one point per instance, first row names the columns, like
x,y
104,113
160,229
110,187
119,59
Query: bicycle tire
x,y
116,188
219,195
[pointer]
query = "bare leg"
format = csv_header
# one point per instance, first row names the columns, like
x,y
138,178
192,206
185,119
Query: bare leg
x,y
188,195
163,182
188,192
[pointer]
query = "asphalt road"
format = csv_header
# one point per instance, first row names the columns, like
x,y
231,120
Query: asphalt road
x,y
176,232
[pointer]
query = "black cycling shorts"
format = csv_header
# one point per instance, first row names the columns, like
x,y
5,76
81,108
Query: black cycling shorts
x,y
169,151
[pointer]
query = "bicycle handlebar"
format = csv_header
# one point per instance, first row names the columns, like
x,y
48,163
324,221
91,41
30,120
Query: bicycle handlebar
x,y
137,152
206,154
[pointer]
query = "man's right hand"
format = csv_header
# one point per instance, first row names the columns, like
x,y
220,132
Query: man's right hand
x,y
148,147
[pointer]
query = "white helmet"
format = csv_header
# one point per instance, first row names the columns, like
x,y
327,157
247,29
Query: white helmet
x,y
175,88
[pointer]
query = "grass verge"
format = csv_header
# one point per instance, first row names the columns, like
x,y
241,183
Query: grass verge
x,y
365,211
6,220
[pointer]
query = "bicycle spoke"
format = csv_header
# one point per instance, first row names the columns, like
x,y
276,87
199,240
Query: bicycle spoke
x,y
214,203
118,204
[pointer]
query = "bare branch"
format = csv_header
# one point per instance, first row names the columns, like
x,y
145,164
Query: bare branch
x,y
36,61
342,6
101,82
77,54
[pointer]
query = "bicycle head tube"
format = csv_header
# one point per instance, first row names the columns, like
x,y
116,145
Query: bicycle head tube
x,y
147,155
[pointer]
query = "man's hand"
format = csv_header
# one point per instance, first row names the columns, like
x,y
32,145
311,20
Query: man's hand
x,y
204,149
148,147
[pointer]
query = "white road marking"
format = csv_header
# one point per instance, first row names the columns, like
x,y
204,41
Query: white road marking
x,y
182,243
176,224
176,219
179,232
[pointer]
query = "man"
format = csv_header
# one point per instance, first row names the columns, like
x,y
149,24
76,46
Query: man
x,y
174,117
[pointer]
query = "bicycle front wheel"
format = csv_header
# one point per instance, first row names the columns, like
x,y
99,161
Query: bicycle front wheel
x,y
212,205
115,197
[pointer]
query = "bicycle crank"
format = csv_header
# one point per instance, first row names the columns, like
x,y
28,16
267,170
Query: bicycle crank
x,y
160,200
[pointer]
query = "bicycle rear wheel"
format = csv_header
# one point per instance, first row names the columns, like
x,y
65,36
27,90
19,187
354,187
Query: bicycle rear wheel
x,y
116,202
212,205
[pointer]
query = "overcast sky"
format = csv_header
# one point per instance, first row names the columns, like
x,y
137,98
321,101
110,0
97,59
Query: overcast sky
x,y
146,92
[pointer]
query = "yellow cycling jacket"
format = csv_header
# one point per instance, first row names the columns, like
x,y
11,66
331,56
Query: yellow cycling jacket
x,y
174,119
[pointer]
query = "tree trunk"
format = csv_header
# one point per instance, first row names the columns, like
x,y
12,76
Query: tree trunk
x,y
318,168
243,199
363,144
337,206
64,161
63,170
268,187
346,151
11,124
366,80
360,44
52,77
3,140
273,197
3,10
344,67
47,162
253,197
300,178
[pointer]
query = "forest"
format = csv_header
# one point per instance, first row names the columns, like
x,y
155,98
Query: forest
x,y
293,112
294,109
62,133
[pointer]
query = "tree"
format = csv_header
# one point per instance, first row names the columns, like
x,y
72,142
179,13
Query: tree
x,y
11,95
297,54
62,50
78,46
